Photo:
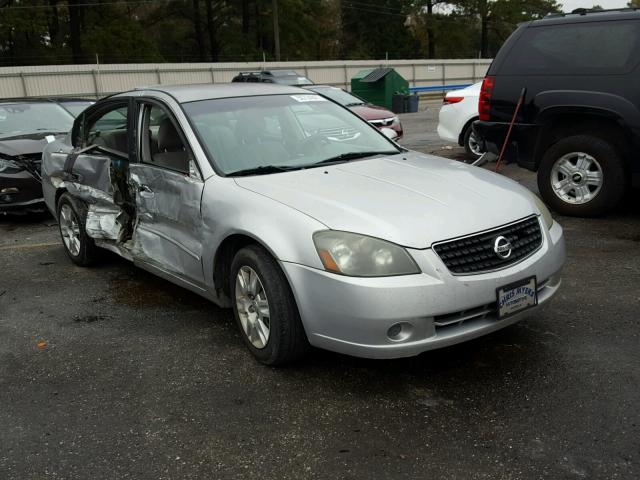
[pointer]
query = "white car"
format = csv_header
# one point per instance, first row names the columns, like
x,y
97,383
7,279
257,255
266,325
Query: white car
x,y
459,110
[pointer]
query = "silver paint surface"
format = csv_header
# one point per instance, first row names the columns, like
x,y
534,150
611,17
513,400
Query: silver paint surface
x,y
410,199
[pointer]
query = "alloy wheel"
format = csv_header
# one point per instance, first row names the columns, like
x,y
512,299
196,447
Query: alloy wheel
x,y
576,178
253,306
474,145
70,230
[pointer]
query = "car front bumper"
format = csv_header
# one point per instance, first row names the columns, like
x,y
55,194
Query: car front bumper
x,y
353,315
20,193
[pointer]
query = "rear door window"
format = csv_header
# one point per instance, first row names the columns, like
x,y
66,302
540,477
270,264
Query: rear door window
x,y
593,48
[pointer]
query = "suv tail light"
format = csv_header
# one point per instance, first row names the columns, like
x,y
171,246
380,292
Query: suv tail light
x,y
484,101
450,100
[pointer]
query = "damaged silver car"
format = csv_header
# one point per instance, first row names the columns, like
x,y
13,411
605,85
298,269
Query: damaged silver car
x,y
306,220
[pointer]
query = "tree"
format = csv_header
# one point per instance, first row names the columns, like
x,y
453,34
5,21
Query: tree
x,y
498,18
375,28
425,14
75,28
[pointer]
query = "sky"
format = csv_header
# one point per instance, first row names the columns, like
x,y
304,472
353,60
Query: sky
x,y
571,4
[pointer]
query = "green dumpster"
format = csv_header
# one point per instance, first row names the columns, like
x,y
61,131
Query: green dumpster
x,y
378,85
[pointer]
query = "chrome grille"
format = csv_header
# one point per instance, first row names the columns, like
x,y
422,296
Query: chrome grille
x,y
475,253
382,122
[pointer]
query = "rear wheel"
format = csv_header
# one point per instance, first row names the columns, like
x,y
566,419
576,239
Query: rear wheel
x,y
265,309
72,214
582,176
473,144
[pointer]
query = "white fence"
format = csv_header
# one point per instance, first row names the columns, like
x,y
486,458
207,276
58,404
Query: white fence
x,y
100,80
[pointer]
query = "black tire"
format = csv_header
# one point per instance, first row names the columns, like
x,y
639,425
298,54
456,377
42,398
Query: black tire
x,y
287,340
466,139
614,180
87,252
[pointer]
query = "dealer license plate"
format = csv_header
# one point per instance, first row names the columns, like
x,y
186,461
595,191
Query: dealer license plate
x,y
516,297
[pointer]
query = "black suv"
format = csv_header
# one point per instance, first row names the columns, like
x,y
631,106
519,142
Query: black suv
x,y
579,124
283,77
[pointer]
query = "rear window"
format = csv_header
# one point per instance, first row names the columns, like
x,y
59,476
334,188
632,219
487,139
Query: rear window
x,y
597,48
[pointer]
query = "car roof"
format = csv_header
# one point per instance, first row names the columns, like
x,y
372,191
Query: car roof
x,y
45,100
71,99
584,15
208,91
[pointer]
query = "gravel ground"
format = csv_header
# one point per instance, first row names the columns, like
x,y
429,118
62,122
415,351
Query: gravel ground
x,y
110,373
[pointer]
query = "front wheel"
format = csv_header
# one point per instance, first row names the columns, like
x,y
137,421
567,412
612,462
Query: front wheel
x,y
264,308
582,176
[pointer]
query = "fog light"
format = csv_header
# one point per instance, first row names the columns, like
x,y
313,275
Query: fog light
x,y
399,332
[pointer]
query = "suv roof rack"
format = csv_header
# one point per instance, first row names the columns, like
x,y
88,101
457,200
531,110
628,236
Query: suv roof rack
x,y
585,11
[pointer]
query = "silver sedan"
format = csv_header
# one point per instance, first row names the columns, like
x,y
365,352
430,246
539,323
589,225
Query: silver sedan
x,y
307,221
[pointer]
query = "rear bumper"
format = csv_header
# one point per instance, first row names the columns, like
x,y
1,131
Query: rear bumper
x,y
522,142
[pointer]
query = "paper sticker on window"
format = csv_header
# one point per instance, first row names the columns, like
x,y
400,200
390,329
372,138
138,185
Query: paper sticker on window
x,y
308,98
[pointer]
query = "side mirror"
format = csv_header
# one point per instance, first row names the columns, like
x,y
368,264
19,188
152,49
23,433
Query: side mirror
x,y
390,133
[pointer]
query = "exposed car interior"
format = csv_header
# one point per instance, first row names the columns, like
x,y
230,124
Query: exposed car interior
x,y
162,145
110,130
238,134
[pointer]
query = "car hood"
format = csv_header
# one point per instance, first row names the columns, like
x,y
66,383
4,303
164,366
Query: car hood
x,y
372,112
22,145
410,199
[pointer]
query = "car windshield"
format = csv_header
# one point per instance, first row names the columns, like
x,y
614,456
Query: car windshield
x,y
76,107
282,131
292,80
340,96
32,117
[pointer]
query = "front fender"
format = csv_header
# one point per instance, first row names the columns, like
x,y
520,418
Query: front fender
x,y
228,209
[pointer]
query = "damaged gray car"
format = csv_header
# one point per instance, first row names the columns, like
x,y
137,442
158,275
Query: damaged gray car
x,y
306,220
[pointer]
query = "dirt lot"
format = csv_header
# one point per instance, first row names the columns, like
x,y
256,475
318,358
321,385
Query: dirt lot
x,y
110,373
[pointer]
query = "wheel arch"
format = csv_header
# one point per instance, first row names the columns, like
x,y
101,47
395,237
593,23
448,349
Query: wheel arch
x,y
560,122
224,255
59,192
466,126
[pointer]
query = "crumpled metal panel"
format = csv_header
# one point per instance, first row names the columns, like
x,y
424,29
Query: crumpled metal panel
x,y
168,231
105,222
91,182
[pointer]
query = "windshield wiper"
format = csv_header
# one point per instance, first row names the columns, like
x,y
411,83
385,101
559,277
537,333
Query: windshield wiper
x,y
345,157
262,170
355,104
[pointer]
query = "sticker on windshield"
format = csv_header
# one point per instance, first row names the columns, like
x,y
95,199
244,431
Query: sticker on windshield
x,y
308,98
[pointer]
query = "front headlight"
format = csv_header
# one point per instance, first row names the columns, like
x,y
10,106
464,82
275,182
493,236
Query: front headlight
x,y
544,211
361,256
9,166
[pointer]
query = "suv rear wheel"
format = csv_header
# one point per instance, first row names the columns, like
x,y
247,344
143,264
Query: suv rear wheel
x,y
581,176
